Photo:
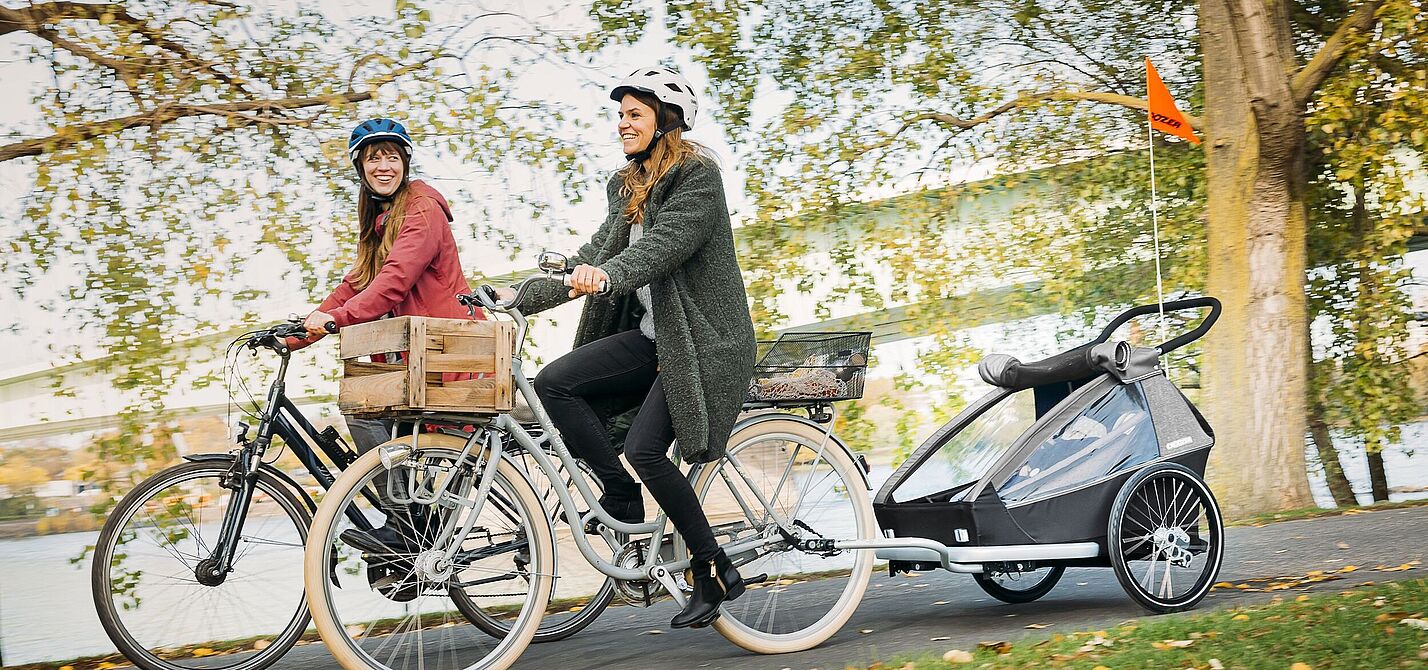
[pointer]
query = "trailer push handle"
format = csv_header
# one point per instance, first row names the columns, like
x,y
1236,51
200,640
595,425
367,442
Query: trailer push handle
x,y
1171,306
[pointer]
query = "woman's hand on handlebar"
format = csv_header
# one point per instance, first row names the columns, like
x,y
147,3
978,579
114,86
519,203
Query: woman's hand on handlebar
x,y
504,294
316,324
586,280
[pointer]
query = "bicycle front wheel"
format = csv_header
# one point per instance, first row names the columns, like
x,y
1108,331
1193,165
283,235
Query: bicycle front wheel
x,y
158,605
580,593
774,472
395,610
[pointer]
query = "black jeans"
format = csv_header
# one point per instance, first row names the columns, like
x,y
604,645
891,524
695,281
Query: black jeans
x,y
624,364
366,435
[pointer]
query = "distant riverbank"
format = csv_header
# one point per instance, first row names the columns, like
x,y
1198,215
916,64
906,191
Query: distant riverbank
x,y
64,522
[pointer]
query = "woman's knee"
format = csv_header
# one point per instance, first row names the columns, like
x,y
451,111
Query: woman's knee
x,y
550,382
647,458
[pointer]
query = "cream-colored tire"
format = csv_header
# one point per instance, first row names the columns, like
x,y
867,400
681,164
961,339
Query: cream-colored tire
x,y
323,541
750,622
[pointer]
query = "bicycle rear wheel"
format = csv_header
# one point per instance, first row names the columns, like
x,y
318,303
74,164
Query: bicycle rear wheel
x,y
145,574
396,611
808,595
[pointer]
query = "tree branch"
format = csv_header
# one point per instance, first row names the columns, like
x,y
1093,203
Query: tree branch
x,y
126,71
1026,99
69,136
34,18
25,18
1313,74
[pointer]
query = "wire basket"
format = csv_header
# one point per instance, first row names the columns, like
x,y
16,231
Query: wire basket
x,y
802,368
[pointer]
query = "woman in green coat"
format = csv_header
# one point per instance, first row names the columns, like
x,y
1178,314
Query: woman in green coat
x,y
673,336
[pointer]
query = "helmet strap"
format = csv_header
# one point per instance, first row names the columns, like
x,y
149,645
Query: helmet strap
x,y
644,154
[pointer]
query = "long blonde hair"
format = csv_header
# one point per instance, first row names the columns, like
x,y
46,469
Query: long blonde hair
x,y
640,177
373,246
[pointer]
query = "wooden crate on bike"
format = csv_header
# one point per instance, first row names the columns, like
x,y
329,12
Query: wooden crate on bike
x,y
431,351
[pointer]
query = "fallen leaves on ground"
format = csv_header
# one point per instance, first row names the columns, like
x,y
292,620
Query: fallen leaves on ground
x,y
999,646
1420,624
957,656
1097,641
1398,568
1268,584
1172,644
1037,626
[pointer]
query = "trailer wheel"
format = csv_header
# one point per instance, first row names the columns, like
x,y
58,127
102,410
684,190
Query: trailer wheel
x,y
1010,584
1166,538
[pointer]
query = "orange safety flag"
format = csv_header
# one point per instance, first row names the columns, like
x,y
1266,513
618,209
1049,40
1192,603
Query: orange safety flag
x,y
1164,116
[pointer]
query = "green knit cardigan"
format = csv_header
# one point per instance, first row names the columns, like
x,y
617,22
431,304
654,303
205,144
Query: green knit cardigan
x,y
703,333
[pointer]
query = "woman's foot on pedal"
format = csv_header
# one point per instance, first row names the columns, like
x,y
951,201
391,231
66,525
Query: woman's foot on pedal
x,y
628,507
402,533
714,583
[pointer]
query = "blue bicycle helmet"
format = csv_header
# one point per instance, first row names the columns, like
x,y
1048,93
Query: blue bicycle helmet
x,y
376,130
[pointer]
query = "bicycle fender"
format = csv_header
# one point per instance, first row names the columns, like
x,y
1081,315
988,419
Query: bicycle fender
x,y
833,440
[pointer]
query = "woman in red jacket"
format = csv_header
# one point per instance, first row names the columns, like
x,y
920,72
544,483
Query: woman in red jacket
x,y
407,265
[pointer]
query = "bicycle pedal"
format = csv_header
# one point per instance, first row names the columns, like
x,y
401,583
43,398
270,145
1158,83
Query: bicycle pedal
x,y
756,579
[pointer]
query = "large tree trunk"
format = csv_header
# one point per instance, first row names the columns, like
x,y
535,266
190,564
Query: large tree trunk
x,y
1255,358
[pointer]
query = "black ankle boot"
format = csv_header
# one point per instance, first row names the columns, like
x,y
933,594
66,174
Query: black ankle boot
x,y
713,584
626,506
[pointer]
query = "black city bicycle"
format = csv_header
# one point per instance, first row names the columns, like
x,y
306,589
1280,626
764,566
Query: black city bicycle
x,y
207,550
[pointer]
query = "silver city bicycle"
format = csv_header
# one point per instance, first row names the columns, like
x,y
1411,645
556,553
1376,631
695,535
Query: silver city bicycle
x,y
789,503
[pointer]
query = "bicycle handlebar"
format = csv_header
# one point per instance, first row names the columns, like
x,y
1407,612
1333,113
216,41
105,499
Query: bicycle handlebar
x,y
485,294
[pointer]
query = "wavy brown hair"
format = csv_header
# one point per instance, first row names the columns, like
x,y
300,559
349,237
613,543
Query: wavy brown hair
x,y
373,246
672,149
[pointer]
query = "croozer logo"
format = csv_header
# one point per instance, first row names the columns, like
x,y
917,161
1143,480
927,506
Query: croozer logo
x,y
1161,118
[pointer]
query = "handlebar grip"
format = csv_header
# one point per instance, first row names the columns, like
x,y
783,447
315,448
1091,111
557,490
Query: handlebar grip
x,y
330,327
604,285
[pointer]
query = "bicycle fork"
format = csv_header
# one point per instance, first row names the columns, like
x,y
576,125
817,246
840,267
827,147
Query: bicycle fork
x,y
241,479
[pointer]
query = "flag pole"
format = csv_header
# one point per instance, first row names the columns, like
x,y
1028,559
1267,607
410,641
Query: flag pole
x,y
1154,211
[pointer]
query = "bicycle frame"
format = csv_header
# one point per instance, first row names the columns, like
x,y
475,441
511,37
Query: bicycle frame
x,y
282,418
651,567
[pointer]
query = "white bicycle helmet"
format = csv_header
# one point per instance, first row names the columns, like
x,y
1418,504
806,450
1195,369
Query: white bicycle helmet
x,y
668,86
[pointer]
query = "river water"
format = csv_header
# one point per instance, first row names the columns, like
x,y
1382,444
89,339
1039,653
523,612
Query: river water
x,y
47,613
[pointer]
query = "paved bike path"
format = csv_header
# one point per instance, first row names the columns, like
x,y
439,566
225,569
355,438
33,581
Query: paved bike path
x,y
902,614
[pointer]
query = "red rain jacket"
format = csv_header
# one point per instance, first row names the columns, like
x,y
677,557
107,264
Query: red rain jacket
x,y
421,276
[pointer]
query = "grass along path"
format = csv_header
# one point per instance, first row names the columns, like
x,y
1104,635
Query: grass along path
x,y
1384,627
1317,512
